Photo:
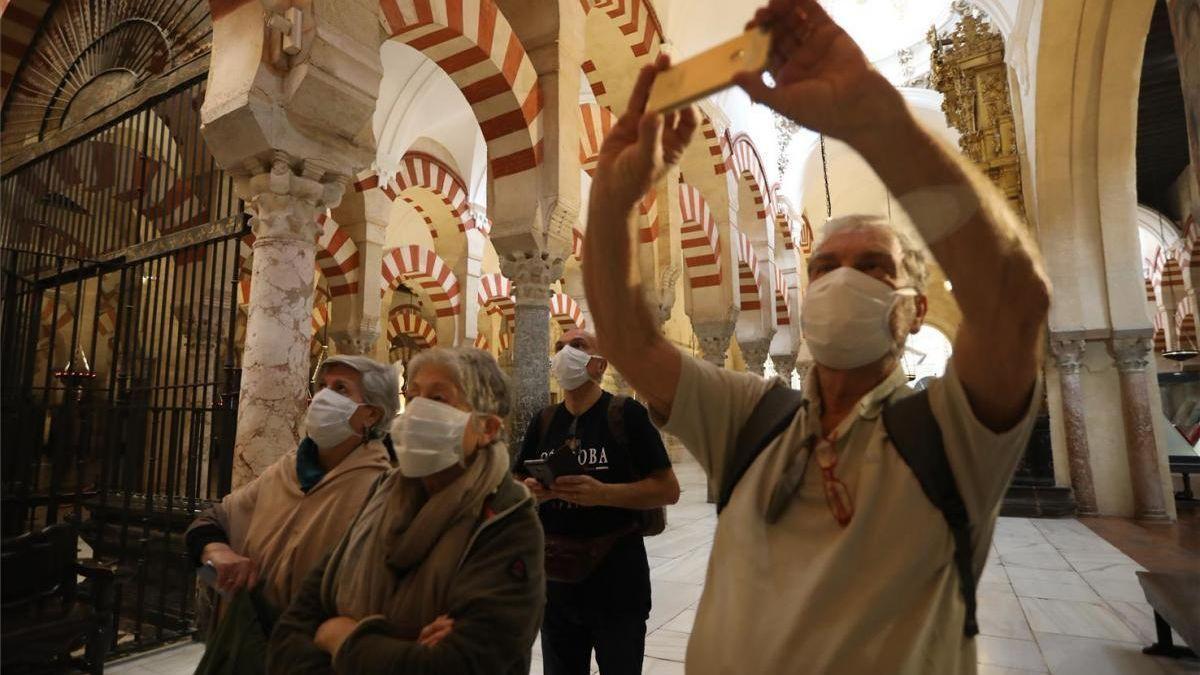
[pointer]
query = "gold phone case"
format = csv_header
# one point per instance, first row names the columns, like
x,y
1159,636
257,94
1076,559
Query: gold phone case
x,y
709,71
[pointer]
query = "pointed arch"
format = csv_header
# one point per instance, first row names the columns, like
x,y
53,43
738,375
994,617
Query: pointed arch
x,y
337,257
406,320
752,176
748,275
421,171
565,311
496,297
474,44
427,268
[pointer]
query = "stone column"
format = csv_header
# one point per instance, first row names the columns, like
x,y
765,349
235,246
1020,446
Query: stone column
x,y
1068,354
283,204
714,340
355,326
531,275
785,365
1132,357
754,352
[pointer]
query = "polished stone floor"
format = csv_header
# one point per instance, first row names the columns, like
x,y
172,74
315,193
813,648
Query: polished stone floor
x,y
1055,598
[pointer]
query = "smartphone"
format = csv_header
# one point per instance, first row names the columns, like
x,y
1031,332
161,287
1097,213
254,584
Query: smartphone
x,y
208,574
541,470
710,71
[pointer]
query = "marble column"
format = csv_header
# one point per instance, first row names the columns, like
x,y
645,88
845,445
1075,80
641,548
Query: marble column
x,y
283,204
531,275
754,352
785,365
714,340
1132,356
1068,354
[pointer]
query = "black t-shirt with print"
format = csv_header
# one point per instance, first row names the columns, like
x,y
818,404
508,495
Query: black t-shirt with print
x,y
600,456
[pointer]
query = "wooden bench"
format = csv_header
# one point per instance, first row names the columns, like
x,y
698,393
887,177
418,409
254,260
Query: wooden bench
x,y
1185,466
1175,597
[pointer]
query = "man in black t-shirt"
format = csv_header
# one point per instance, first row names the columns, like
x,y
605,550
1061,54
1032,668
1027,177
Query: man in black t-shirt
x,y
594,519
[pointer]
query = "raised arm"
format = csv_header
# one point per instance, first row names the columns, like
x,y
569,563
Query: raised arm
x,y
824,82
635,155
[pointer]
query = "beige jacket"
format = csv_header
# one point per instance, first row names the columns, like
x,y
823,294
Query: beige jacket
x,y
287,532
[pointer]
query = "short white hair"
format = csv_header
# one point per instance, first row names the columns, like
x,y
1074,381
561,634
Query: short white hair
x,y
913,260
380,386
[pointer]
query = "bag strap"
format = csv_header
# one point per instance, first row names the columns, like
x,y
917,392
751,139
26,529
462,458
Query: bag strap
x,y
545,417
772,414
616,426
914,432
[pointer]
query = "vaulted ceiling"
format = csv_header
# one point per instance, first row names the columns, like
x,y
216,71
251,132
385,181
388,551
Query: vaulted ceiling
x,y
1162,144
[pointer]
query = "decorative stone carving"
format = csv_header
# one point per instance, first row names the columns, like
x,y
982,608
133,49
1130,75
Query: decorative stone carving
x,y
360,339
665,290
531,275
714,340
754,352
967,67
785,365
1068,354
1132,355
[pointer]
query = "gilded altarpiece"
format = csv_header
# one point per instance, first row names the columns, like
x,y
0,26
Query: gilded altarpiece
x,y
967,67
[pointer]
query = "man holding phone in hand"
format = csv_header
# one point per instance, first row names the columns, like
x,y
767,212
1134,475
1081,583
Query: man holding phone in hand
x,y
607,474
833,553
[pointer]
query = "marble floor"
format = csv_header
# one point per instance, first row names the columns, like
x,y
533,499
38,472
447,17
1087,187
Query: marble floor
x,y
1054,598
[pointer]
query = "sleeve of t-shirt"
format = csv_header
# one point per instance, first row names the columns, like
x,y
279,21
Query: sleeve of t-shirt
x,y
646,448
982,460
711,405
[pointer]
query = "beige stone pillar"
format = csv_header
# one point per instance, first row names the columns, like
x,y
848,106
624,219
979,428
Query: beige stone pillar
x,y
283,204
1068,354
755,354
1132,355
714,340
356,324
531,276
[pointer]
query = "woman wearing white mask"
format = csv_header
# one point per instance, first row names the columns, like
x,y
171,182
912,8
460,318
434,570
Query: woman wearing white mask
x,y
280,525
441,572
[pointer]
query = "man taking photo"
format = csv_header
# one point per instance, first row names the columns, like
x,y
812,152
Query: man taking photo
x,y
845,546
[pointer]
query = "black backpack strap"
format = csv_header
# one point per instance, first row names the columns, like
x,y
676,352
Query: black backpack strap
x,y
914,432
772,414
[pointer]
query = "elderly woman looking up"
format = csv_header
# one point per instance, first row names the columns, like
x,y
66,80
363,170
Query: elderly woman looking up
x,y
281,524
442,570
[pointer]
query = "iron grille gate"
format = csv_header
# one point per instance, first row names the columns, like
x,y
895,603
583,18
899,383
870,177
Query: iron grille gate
x,y
120,339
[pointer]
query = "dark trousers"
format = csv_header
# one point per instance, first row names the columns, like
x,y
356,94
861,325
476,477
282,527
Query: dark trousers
x,y
569,636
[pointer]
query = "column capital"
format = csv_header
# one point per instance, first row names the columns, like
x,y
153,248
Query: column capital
x,y
714,340
285,198
755,354
360,339
1131,354
531,274
784,364
1068,354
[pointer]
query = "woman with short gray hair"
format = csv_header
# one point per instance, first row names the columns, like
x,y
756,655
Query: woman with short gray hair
x,y
441,572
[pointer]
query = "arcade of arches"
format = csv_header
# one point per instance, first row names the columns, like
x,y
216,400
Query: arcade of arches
x,y
416,173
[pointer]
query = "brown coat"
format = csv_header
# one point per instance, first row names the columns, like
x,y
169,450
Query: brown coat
x,y
286,532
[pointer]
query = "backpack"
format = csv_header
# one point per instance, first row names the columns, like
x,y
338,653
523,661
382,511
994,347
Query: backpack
x,y
651,522
914,433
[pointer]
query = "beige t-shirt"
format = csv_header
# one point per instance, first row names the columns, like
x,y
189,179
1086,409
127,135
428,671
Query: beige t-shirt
x,y
804,595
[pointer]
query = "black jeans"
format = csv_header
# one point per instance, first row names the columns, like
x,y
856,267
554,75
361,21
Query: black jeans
x,y
568,637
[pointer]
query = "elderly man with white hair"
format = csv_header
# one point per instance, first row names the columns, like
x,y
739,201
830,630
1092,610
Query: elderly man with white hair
x,y
857,515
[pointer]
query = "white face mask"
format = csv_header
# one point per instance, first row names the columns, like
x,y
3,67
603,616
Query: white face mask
x,y
846,318
328,419
570,368
428,437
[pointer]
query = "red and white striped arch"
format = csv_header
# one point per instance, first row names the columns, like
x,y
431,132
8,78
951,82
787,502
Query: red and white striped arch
x,y
337,257
407,320
1160,335
320,310
698,239
566,311
482,342
419,264
784,221
748,274
750,172
592,74
716,145
595,122
496,297
783,315
806,235
475,45
636,20
418,170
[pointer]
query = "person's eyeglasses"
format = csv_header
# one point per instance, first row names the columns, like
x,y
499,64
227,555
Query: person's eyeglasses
x,y
837,496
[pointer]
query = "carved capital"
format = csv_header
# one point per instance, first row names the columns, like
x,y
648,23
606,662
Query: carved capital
x,y
284,200
1131,355
785,364
714,340
531,275
755,354
1068,354
358,340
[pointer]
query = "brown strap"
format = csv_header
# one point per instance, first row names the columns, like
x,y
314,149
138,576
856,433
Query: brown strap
x,y
616,426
